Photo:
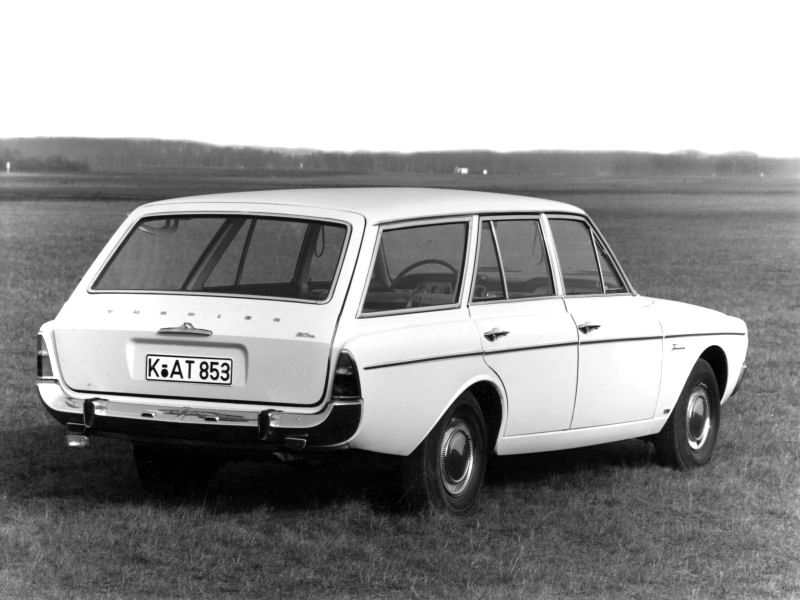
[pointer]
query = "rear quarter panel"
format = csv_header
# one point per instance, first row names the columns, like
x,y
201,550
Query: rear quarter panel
x,y
411,368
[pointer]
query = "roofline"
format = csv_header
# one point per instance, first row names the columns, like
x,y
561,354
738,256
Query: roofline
x,y
375,204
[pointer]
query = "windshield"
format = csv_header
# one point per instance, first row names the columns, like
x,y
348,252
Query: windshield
x,y
228,254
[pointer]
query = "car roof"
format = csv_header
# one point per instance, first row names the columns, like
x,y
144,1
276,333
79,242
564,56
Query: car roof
x,y
379,205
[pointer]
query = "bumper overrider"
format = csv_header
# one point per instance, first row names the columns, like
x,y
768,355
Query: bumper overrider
x,y
235,427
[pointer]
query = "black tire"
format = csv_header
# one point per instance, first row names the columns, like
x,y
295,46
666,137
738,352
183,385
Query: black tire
x,y
688,439
174,471
446,470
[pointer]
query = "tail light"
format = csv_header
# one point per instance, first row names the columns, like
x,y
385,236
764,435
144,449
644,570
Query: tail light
x,y
345,379
43,368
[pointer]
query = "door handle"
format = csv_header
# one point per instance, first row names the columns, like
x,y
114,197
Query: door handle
x,y
493,334
587,327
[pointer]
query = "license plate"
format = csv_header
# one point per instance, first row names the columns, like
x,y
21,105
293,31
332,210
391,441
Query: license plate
x,y
190,369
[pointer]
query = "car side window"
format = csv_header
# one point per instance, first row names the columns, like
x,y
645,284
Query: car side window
x,y
417,266
522,253
488,281
526,267
577,257
578,254
612,282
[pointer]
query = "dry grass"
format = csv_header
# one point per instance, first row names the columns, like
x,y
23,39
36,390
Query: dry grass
x,y
604,522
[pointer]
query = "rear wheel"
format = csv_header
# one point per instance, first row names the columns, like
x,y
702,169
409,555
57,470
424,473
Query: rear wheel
x,y
689,437
446,471
174,471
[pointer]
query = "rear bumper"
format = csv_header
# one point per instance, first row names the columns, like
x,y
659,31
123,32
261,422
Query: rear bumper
x,y
230,426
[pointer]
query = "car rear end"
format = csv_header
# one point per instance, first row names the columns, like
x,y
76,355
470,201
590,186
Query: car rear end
x,y
209,324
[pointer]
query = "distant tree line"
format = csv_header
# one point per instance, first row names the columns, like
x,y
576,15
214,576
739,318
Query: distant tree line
x,y
81,154
574,164
39,164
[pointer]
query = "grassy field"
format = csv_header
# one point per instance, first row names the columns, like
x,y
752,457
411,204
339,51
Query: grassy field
x,y
604,522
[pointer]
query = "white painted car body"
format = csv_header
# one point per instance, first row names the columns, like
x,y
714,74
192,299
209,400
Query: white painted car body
x,y
554,385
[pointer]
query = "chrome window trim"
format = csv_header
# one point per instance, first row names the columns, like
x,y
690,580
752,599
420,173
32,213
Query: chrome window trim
x,y
499,258
409,224
516,300
286,217
597,260
421,222
555,264
411,221
408,311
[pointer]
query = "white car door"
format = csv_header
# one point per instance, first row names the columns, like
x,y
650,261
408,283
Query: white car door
x,y
620,337
528,337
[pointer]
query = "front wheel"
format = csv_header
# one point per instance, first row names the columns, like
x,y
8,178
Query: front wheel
x,y
446,470
688,439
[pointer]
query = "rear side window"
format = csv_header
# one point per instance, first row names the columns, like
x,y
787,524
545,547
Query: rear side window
x,y
239,255
582,258
416,267
525,265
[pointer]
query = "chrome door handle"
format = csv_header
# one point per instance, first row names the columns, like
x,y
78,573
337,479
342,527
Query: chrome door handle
x,y
493,334
587,327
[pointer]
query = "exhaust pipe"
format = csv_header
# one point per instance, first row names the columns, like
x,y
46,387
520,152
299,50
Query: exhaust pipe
x,y
76,436
75,440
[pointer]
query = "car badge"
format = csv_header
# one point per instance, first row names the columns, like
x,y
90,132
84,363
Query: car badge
x,y
186,328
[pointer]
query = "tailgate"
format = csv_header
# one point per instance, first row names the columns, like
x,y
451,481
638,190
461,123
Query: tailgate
x,y
205,348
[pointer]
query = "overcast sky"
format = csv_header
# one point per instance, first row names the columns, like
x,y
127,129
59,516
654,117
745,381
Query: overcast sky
x,y
408,75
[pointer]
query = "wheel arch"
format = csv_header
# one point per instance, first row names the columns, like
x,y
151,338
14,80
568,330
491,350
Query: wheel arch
x,y
715,356
490,400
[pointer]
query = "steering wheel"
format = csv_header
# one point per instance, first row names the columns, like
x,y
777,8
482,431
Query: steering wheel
x,y
427,261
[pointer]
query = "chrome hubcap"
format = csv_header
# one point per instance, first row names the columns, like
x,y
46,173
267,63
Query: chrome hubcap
x,y
698,417
457,457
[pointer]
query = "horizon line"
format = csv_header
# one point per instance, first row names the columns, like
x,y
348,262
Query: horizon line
x,y
311,150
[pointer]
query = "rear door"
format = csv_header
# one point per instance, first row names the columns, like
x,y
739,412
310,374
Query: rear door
x,y
227,307
528,337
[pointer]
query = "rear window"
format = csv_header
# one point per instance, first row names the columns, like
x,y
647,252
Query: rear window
x,y
233,254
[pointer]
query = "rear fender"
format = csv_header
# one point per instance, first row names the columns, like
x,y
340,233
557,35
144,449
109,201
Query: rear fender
x,y
402,404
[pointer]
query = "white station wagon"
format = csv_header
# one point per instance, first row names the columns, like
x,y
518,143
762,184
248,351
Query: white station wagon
x,y
436,325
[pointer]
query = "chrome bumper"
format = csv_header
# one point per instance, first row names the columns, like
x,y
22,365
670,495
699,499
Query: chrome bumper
x,y
227,425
